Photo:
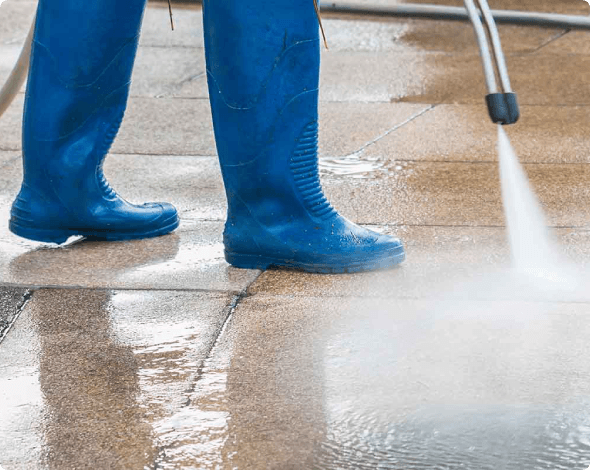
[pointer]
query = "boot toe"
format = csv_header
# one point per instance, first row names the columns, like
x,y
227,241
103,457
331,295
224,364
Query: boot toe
x,y
167,219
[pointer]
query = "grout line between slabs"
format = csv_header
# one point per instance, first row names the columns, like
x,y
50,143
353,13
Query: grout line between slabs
x,y
393,129
121,288
559,35
25,299
194,381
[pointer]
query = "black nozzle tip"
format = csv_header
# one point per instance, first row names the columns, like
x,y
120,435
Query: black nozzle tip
x,y
503,108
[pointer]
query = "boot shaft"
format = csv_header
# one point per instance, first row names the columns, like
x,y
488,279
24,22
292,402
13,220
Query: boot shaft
x,y
81,63
261,56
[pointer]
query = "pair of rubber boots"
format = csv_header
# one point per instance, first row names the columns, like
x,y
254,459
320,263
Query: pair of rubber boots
x,y
263,71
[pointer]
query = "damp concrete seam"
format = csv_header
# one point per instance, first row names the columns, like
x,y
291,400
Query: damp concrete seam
x,y
231,308
391,130
559,35
35,287
27,295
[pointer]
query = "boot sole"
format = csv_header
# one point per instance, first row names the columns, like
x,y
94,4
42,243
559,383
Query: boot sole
x,y
60,236
246,261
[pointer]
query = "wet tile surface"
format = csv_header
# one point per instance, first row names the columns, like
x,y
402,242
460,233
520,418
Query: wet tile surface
x,y
404,34
189,259
162,71
437,193
447,78
102,369
543,134
441,262
358,383
183,126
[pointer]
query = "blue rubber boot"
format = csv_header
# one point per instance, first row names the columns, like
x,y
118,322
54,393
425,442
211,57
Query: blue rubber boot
x,y
263,62
81,64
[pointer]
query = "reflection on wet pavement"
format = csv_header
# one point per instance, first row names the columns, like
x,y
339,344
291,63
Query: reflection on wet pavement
x,y
90,386
102,370
410,384
489,437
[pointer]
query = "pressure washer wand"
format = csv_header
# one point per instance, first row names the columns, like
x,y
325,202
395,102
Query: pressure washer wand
x,y
502,104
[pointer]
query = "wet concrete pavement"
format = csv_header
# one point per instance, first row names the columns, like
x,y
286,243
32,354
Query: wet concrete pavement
x,y
157,354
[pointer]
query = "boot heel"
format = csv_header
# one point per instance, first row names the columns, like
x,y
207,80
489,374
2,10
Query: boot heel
x,y
247,261
39,234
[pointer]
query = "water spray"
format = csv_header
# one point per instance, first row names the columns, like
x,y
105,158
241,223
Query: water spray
x,y
502,103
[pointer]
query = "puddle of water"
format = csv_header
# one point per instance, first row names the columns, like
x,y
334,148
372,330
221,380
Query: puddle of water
x,y
451,385
352,166
188,256
357,166
519,437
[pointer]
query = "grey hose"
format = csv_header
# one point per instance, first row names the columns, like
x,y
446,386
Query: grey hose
x,y
439,12
18,75
496,45
482,43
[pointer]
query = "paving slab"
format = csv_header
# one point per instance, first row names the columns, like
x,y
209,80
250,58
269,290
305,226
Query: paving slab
x,y
102,369
574,42
543,134
189,259
448,193
357,33
451,359
447,78
443,262
193,184
169,126
358,383
165,71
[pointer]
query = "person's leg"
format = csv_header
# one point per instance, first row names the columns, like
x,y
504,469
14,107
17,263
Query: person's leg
x,y
81,63
263,69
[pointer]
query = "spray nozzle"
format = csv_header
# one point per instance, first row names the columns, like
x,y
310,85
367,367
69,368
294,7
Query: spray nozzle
x,y
502,106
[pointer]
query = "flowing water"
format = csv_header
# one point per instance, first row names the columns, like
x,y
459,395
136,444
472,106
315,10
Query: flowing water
x,y
535,253
531,246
